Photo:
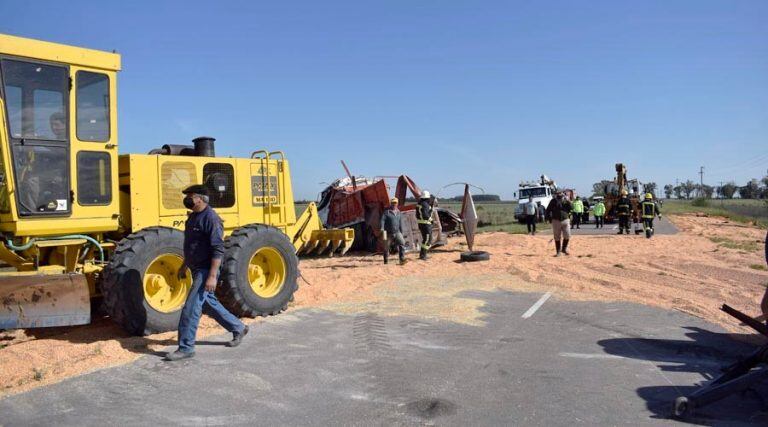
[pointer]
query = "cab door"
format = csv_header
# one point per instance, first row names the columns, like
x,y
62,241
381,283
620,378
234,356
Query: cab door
x,y
36,96
94,146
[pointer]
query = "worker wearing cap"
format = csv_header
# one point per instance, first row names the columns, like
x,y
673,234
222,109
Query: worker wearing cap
x,y
578,212
203,251
392,231
558,212
623,211
649,209
424,219
599,211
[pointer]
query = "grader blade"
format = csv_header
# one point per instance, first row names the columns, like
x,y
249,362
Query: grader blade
x,y
38,301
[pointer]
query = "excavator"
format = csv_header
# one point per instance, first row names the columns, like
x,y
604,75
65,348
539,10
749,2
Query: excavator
x,y
81,222
613,194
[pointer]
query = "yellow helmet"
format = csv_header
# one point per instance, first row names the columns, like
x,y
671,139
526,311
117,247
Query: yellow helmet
x,y
648,196
394,201
624,192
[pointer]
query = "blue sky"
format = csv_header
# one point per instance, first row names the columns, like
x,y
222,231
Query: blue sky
x,y
486,92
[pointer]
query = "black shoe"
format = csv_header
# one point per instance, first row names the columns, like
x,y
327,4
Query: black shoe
x,y
237,338
403,261
179,355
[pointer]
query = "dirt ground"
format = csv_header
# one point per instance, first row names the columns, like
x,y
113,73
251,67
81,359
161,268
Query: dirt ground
x,y
710,262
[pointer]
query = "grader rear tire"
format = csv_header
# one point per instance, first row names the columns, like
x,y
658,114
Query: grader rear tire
x,y
141,291
259,272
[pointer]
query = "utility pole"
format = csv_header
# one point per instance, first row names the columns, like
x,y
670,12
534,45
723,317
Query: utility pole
x,y
701,180
720,192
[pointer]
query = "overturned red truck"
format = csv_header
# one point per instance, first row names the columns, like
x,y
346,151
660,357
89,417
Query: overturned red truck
x,y
358,202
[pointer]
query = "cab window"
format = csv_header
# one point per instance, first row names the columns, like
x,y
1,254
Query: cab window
x,y
36,100
94,178
92,99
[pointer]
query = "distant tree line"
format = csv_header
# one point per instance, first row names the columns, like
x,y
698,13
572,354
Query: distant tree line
x,y
753,189
476,198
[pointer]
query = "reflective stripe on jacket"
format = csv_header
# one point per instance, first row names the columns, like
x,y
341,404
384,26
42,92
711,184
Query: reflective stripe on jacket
x,y
424,212
599,209
650,209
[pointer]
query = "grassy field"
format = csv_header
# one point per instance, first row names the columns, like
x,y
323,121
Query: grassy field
x,y
745,211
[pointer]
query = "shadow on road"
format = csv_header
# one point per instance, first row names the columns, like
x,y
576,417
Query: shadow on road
x,y
706,353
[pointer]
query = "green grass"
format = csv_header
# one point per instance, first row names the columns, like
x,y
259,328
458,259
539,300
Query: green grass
x,y
758,267
743,245
738,210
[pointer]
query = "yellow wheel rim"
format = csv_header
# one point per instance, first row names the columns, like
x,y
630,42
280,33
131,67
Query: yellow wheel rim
x,y
266,272
162,289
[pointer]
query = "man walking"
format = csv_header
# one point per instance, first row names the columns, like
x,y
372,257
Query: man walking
x,y
203,250
557,213
392,231
531,211
599,211
578,211
623,210
649,209
424,219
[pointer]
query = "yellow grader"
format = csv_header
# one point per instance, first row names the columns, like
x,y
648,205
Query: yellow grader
x,y
79,221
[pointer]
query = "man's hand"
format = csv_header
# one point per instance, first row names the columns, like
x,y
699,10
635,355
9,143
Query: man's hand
x,y
383,235
182,273
210,284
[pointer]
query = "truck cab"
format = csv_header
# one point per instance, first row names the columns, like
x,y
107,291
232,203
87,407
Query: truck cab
x,y
542,193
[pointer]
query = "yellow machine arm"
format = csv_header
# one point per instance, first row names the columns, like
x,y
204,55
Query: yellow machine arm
x,y
309,236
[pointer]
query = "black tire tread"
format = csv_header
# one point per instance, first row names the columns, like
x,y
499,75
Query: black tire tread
x,y
471,256
116,293
228,293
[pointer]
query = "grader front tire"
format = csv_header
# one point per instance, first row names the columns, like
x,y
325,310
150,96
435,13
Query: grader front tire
x,y
259,272
141,291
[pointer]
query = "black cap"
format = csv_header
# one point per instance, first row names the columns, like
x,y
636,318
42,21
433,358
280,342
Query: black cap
x,y
196,189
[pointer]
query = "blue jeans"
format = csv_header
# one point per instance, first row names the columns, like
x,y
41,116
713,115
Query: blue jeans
x,y
200,301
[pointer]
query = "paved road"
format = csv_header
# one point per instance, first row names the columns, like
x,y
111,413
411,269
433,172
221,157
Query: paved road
x,y
566,363
663,226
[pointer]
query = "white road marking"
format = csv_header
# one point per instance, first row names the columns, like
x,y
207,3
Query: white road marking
x,y
615,227
536,306
591,356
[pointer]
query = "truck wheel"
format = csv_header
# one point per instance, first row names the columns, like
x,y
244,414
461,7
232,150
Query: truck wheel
x,y
472,256
259,272
141,290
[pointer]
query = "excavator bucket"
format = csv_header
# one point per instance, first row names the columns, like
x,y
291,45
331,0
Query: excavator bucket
x,y
36,300
310,238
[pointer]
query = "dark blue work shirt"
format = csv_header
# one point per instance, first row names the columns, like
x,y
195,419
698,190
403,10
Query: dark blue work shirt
x,y
203,239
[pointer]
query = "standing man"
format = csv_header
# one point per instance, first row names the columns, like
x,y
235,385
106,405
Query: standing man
x,y
557,213
203,250
649,209
623,210
599,211
530,216
578,211
424,218
585,218
392,231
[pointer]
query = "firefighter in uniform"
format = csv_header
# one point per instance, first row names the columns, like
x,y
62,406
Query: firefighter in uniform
x,y
424,218
649,209
623,211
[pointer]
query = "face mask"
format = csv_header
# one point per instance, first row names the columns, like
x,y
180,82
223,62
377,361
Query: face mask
x,y
189,203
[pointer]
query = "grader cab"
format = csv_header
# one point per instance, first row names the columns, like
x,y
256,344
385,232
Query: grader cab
x,y
80,221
